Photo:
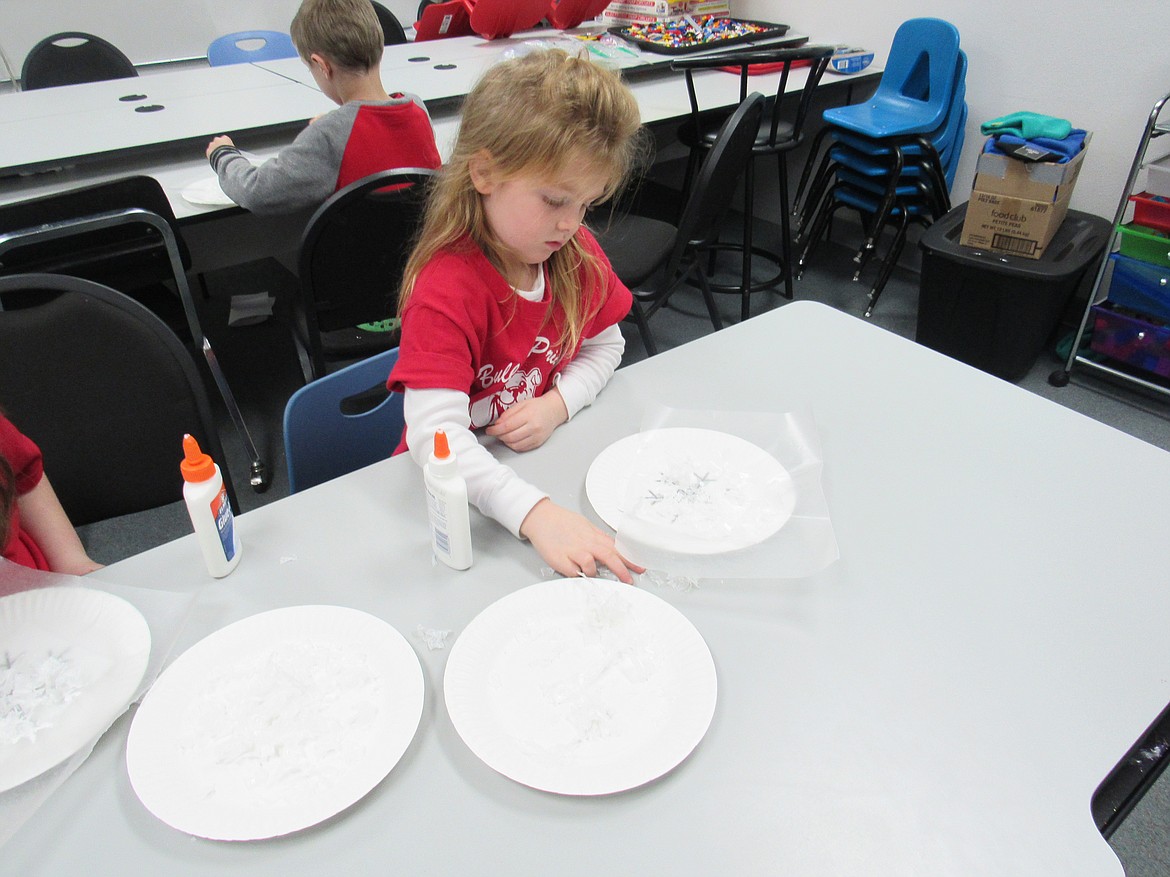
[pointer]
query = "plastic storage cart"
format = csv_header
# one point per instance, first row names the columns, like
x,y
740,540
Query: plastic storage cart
x,y
1128,314
993,310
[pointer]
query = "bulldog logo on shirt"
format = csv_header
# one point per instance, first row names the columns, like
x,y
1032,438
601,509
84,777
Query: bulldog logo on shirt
x,y
518,386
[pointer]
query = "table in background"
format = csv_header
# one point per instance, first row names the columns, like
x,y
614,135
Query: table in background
x,y
77,135
941,701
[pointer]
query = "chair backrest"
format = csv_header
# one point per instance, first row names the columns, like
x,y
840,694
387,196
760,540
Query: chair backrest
x,y
342,422
784,128
250,45
73,57
392,31
129,256
715,185
106,390
921,66
353,253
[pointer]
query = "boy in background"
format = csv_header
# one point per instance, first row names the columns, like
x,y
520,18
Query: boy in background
x,y
370,131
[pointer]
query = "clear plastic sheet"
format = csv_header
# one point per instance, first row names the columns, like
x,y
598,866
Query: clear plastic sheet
x,y
718,494
165,613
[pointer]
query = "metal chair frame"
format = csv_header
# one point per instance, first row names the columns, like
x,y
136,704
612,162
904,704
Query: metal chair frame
x,y
260,476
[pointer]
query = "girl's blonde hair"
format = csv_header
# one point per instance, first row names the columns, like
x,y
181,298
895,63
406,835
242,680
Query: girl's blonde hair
x,y
536,115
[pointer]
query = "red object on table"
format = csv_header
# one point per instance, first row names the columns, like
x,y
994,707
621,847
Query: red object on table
x,y
493,19
570,13
756,69
441,20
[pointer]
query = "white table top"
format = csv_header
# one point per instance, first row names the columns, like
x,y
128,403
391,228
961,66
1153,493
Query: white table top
x,y
58,138
943,700
661,98
51,127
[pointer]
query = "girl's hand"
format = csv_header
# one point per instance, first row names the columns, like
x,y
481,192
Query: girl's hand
x,y
528,424
571,545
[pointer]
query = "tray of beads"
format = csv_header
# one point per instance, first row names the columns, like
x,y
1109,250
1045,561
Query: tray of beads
x,y
681,36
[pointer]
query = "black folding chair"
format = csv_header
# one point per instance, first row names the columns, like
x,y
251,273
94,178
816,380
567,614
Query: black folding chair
x,y
106,389
653,257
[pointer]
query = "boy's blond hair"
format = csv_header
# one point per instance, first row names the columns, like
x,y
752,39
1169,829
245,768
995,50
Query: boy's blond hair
x,y
346,32
540,114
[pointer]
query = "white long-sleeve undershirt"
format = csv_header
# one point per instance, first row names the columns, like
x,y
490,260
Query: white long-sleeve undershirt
x,y
493,487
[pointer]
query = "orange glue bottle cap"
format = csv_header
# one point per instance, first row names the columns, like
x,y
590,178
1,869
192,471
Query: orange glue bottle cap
x,y
196,465
442,449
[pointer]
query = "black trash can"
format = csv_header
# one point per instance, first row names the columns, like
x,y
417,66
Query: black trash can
x,y
996,311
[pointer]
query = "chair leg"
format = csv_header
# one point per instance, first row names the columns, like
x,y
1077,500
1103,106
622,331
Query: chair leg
x,y
785,228
816,189
709,298
887,205
643,324
694,160
813,151
891,260
820,222
748,220
260,478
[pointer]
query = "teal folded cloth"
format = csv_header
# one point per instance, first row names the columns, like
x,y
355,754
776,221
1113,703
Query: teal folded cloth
x,y
1028,126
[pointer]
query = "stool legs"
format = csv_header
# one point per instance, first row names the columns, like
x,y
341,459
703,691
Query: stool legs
x,y
748,219
785,226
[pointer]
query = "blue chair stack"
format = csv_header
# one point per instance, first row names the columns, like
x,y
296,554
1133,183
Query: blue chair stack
x,y
892,158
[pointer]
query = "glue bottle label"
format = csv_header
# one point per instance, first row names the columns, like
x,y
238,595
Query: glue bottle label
x,y
221,511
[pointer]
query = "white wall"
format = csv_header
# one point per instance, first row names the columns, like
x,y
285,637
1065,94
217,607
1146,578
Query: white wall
x,y
1100,65
149,30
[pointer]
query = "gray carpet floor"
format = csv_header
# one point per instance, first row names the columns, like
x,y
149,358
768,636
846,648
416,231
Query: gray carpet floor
x,y
262,368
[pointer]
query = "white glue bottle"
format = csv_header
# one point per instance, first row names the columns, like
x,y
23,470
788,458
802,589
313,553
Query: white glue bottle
x,y
447,506
210,510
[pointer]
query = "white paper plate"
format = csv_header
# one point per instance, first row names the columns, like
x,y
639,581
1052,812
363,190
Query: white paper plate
x,y
206,192
581,686
698,491
70,661
275,723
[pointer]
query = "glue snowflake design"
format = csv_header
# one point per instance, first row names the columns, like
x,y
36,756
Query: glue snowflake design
x,y
675,495
35,692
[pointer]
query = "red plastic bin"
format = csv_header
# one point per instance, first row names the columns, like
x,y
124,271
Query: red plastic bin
x,y
1152,211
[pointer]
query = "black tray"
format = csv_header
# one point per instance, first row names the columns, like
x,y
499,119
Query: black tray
x,y
771,30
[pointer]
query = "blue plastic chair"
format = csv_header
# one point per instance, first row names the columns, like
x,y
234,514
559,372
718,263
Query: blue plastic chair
x,y
342,422
898,146
228,49
905,142
916,88
891,158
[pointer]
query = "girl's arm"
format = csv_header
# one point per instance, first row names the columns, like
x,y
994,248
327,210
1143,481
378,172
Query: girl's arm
x,y
493,488
567,541
45,521
528,425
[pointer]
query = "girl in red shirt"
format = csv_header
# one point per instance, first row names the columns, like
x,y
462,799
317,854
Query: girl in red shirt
x,y
509,308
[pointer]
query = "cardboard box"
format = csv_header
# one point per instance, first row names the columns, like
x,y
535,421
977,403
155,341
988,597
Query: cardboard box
x,y
1016,207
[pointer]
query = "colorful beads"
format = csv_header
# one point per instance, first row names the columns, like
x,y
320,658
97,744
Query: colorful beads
x,y
682,33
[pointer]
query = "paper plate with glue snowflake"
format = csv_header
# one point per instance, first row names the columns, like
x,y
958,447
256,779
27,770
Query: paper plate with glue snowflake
x,y
71,659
